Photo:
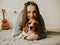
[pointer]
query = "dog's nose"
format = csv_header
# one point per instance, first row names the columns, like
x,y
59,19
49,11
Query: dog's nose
x,y
31,27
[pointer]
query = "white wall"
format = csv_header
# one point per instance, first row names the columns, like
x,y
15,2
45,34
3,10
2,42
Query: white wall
x,y
49,9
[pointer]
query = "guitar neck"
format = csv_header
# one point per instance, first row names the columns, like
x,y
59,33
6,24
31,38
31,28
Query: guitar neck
x,y
3,16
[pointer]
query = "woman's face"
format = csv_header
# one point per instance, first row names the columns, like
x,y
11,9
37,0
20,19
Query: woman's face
x,y
31,11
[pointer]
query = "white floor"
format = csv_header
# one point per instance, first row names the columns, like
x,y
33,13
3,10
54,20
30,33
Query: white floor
x,y
53,38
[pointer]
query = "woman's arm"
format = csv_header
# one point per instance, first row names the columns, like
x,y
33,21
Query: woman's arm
x,y
17,26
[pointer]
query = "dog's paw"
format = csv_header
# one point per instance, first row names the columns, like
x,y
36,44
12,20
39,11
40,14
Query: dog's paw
x,y
26,38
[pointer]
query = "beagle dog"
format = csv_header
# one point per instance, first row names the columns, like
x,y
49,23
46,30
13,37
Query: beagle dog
x,y
31,30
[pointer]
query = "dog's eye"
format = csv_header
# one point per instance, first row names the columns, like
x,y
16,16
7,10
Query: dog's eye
x,y
29,22
35,23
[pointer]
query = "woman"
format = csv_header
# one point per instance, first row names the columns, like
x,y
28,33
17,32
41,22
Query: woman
x,y
30,11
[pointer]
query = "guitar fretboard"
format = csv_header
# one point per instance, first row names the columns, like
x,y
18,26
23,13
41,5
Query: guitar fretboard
x,y
3,11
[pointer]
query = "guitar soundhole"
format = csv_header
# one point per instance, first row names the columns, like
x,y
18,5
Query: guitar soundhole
x,y
4,22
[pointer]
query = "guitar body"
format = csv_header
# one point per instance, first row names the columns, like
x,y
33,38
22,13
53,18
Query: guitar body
x,y
5,24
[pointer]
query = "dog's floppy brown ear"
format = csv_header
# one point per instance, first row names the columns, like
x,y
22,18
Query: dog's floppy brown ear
x,y
37,28
25,28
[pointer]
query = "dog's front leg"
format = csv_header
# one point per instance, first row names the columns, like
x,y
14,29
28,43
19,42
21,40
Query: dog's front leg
x,y
32,37
24,34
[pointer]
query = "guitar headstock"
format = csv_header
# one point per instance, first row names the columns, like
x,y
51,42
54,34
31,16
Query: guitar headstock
x,y
3,10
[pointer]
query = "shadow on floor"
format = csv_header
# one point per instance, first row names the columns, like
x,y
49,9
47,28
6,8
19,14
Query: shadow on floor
x,y
53,33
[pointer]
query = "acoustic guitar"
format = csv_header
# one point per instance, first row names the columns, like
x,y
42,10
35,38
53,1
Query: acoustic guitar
x,y
5,25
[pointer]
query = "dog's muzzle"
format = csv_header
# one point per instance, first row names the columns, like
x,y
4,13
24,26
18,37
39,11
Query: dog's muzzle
x,y
30,27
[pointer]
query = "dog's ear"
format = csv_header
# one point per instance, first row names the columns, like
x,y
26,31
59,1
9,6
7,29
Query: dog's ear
x,y
37,28
25,28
